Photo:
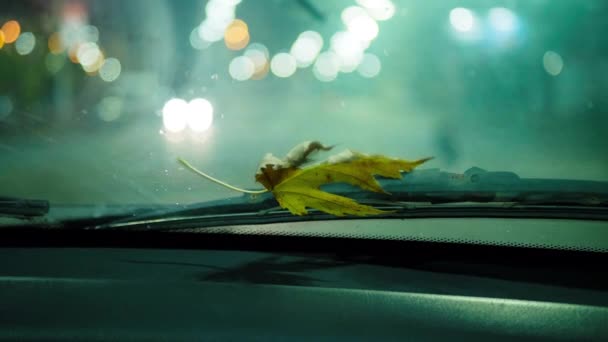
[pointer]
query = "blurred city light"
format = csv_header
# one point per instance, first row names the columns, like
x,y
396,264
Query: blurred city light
x,y
209,33
197,42
260,47
54,63
378,9
92,68
349,50
25,43
502,19
179,114
6,107
110,70
200,115
219,14
363,26
553,63
306,48
370,66
11,30
350,13
462,19
360,23
89,33
110,108
55,44
283,65
88,54
258,54
73,53
326,66
241,68
236,35
175,115
346,52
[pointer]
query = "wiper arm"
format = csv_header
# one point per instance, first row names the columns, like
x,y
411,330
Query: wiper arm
x,y
20,207
417,189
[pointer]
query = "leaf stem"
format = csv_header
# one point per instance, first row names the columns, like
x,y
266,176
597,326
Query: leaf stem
x,y
217,181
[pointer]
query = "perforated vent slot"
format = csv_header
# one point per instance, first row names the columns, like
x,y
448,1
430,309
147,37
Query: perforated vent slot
x,y
589,236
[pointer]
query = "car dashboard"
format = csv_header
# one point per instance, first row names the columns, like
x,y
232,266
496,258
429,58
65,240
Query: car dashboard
x,y
219,286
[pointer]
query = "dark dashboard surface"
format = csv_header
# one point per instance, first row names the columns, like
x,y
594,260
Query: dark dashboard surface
x,y
277,289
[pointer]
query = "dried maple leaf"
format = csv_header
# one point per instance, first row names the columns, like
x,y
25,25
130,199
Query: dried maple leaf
x,y
297,188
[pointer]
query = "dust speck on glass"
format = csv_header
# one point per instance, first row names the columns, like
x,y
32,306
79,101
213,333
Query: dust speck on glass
x,y
98,99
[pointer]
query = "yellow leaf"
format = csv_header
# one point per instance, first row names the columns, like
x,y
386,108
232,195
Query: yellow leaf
x,y
298,188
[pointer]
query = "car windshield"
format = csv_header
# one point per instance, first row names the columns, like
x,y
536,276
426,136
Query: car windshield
x,y
99,98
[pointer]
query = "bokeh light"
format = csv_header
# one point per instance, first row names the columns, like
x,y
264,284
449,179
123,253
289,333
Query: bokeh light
x,y
350,13
349,50
209,33
89,33
197,42
306,48
1,39
363,26
175,115
283,65
88,54
260,47
92,69
54,63
6,107
73,53
55,44
220,11
241,68
378,9
110,108
370,66
110,70
502,19
462,19
553,63
326,66
11,30
219,15
258,55
236,35
25,43
200,115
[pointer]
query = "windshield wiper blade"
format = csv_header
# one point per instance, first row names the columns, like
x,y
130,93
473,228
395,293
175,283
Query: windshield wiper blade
x,y
419,189
20,207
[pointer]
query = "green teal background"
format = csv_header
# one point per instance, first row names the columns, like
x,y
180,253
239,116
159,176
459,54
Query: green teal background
x,y
486,103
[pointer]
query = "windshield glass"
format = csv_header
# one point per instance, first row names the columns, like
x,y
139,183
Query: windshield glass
x,y
98,99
